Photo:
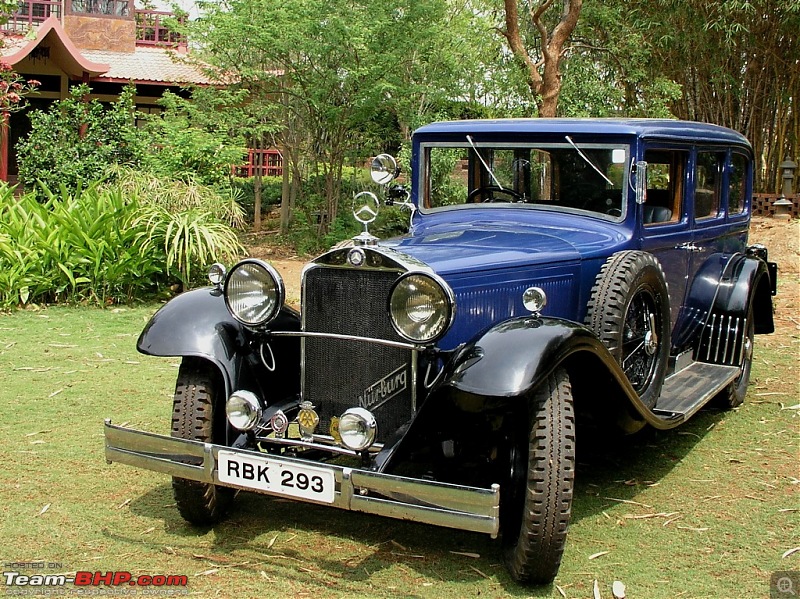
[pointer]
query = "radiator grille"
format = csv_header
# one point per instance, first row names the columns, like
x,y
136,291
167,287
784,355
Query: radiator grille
x,y
338,372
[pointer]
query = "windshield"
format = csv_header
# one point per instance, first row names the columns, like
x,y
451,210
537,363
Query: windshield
x,y
569,176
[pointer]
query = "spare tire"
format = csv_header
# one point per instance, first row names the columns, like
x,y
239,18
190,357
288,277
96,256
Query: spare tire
x,y
629,312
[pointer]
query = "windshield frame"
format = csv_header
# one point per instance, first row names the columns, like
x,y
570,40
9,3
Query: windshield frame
x,y
468,146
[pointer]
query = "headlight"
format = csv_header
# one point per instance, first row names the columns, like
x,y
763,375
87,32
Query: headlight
x,y
254,292
243,410
358,428
421,307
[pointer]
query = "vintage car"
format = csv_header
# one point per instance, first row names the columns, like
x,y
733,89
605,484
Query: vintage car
x,y
554,272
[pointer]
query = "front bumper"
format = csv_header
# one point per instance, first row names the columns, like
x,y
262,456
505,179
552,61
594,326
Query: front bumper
x,y
429,502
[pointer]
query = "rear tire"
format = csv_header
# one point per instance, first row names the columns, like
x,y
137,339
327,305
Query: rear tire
x,y
194,417
542,478
733,395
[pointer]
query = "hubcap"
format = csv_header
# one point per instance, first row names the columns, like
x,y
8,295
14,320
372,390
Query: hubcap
x,y
640,340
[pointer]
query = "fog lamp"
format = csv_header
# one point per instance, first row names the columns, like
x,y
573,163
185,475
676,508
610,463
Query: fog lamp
x,y
357,428
243,410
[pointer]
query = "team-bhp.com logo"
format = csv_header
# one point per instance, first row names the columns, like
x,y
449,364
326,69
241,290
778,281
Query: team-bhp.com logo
x,y
93,579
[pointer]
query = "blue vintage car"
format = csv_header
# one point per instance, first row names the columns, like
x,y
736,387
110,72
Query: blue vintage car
x,y
554,270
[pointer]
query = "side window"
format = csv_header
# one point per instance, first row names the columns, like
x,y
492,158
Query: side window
x,y
707,183
665,175
737,184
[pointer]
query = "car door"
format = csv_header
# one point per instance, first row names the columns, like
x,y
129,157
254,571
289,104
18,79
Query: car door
x,y
719,230
664,220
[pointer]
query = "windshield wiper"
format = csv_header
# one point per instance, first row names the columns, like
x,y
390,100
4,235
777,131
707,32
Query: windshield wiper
x,y
483,162
588,161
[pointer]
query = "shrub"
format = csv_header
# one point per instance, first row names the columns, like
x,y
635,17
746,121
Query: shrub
x,y
76,141
224,203
100,244
190,141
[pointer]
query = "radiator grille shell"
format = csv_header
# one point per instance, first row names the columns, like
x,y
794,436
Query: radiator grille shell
x,y
340,374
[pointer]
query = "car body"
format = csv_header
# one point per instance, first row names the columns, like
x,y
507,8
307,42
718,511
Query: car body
x,y
554,270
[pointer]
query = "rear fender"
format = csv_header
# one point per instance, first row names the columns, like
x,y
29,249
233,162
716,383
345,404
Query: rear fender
x,y
198,324
747,281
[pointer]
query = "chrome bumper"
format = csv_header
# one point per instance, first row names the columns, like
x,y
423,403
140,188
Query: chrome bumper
x,y
440,504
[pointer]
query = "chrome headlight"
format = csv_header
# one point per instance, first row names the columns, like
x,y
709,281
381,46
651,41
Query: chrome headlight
x,y
243,410
357,428
254,292
421,307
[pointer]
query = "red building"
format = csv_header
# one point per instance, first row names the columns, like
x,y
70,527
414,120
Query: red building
x,y
104,43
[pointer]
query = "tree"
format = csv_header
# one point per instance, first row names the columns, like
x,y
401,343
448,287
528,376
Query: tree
x,y
323,72
539,45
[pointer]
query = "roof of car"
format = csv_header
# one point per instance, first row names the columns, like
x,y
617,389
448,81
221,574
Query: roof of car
x,y
646,128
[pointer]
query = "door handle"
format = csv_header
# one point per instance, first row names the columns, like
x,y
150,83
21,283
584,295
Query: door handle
x,y
689,247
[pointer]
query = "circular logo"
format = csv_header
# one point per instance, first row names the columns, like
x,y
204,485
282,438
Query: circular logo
x,y
356,257
365,207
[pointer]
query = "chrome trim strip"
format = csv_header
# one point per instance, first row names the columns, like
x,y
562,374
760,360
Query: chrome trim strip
x,y
327,444
735,335
414,369
727,339
710,329
400,344
441,504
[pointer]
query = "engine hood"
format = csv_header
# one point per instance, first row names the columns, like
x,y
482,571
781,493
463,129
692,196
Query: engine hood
x,y
467,246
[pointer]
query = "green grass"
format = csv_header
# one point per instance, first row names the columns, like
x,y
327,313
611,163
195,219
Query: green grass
x,y
723,479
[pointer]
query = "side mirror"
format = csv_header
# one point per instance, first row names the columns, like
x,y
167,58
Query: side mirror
x,y
641,182
384,169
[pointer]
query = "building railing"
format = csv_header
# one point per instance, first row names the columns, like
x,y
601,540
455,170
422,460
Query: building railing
x,y
270,162
152,31
31,13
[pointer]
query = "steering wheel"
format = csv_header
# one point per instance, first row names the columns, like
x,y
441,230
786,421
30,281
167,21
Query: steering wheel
x,y
490,190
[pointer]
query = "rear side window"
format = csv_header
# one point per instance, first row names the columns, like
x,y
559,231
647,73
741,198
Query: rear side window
x,y
707,181
737,184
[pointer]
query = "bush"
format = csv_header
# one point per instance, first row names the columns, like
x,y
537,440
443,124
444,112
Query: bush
x,y
100,245
76,141
190,142
224,203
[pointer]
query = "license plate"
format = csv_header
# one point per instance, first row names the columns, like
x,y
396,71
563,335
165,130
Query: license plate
x,y
276,476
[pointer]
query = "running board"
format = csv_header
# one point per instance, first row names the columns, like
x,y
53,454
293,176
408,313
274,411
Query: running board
x,y
687,391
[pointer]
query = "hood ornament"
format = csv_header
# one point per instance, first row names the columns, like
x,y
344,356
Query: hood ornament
x,y
365,210
366,204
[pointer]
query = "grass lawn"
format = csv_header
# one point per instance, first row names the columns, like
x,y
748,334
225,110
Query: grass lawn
x,y
707,510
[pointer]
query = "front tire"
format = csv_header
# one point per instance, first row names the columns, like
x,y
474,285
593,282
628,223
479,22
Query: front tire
x,y
194,417
540,498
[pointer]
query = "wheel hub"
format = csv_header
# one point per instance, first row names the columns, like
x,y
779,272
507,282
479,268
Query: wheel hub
x,y
650,343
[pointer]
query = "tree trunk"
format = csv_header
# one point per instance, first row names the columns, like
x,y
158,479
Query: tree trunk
x,y
543,73
285,200
259,163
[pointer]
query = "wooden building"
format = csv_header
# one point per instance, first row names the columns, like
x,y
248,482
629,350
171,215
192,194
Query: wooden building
x,y
106,44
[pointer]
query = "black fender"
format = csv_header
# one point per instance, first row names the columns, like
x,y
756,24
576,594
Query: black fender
x,y
507,362
700,299
198,324
747,281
